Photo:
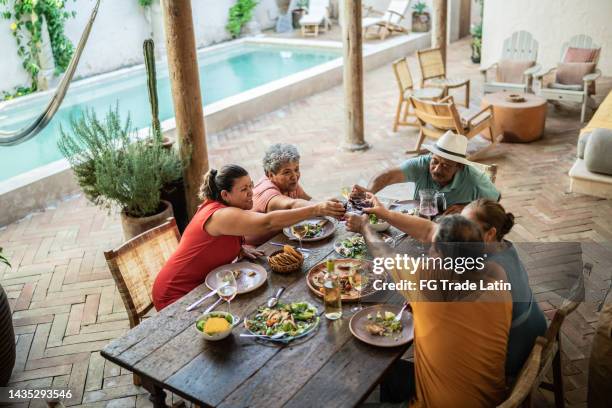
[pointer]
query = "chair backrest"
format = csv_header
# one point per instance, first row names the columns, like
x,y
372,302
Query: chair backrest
x,y
435,118
490,170
580,41
431,63
402,74
527,379
136,263
396,11
521,46
318,7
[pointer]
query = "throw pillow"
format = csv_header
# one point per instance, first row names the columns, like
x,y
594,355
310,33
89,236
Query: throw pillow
x,y
511,71
571,73
581,54
598,151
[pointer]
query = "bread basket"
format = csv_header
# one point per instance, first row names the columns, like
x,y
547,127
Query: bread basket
x,y
284,268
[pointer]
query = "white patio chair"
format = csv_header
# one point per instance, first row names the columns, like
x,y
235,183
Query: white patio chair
x,y
515,70
387,22
581,93
318,13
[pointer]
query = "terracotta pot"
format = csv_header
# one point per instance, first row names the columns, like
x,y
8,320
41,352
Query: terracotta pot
x,y
133,226
421,23
7,340
296,16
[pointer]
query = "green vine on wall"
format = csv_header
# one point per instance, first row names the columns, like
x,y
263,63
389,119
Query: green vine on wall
x,y
240,14
26,18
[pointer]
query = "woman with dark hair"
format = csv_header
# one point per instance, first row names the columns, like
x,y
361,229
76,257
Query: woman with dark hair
x,y
460,337
528,321
214,236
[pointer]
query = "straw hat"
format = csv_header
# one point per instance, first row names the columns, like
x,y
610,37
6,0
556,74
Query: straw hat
x,y
451,146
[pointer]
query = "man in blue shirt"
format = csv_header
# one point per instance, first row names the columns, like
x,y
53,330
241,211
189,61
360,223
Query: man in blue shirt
x,y
445,169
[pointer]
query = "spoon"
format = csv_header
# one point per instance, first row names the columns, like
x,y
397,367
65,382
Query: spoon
x,y
202,299
398,316
275,336
274,299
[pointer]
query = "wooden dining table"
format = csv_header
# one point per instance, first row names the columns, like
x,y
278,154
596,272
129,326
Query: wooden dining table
x,y
329,368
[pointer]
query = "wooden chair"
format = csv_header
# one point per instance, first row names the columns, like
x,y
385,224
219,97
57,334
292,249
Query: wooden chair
x,y
387,22
318,13
526,382
519,49
136,263
490,170
433,73
580,93
436,118
406,90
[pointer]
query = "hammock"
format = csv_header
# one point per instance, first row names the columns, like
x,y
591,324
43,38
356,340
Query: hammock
x,y
28,132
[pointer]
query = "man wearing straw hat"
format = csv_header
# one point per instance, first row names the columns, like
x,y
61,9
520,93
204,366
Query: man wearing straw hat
x,y
445,170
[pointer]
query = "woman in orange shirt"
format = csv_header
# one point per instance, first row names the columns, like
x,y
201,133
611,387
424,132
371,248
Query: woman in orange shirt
x,y
214,236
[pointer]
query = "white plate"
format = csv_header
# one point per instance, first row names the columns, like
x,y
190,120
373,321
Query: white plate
x,y
245,282
328,229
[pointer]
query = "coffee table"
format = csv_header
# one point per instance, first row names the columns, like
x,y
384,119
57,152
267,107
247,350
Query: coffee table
x,y
520,121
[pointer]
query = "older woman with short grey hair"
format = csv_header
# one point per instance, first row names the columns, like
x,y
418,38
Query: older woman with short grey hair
x,y
280,189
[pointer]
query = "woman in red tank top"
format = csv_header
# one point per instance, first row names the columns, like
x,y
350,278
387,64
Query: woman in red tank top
x,y
214,236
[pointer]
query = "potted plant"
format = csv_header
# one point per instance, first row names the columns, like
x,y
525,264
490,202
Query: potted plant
x,y
115,168
298,12
7,334
421,20
240,14
476,32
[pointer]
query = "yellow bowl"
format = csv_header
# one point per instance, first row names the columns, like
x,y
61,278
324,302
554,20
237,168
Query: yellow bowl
x,y
220,335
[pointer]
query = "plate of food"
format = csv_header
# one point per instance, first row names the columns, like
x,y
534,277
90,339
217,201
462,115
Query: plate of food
x,y
313,229
378,224
249,276
355,274
376,325
410,207
353,246
284,322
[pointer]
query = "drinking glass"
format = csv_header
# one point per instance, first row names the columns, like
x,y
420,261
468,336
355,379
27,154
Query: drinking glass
x,y
427,205
358,280
440,202
299,231
227,287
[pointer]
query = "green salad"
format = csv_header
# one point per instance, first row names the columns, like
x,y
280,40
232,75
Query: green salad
x,y
374,219
353,247
293,319
383,324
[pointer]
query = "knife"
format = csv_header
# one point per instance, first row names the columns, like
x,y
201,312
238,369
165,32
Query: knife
x,y
213,306
202,299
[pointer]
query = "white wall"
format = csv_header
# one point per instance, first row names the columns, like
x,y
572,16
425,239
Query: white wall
x,y
118,32
551,22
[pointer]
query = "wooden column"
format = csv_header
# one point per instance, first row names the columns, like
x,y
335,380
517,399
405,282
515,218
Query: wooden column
x,y
185,83
353,76
438,34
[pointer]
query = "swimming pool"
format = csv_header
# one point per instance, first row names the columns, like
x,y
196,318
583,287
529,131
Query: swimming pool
x,y
224,72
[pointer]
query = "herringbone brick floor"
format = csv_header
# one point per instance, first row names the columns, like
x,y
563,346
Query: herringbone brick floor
x,y
66,307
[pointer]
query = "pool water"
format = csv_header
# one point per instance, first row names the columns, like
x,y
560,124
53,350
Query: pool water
x,y
223,73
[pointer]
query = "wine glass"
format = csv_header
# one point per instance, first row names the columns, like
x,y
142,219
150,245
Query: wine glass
x,y
427,205
358,280
227,287
299,231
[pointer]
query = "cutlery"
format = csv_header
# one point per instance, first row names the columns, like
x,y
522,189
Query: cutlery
x,y
202,299
274,299
275,336
398,316
213,306
281,245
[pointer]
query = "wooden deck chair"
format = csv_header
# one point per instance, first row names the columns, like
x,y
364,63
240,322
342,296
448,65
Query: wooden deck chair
x,y
136,263
563,87
515,70
318,13
433,73
436,118
406,90
489,169
388,22
526,382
